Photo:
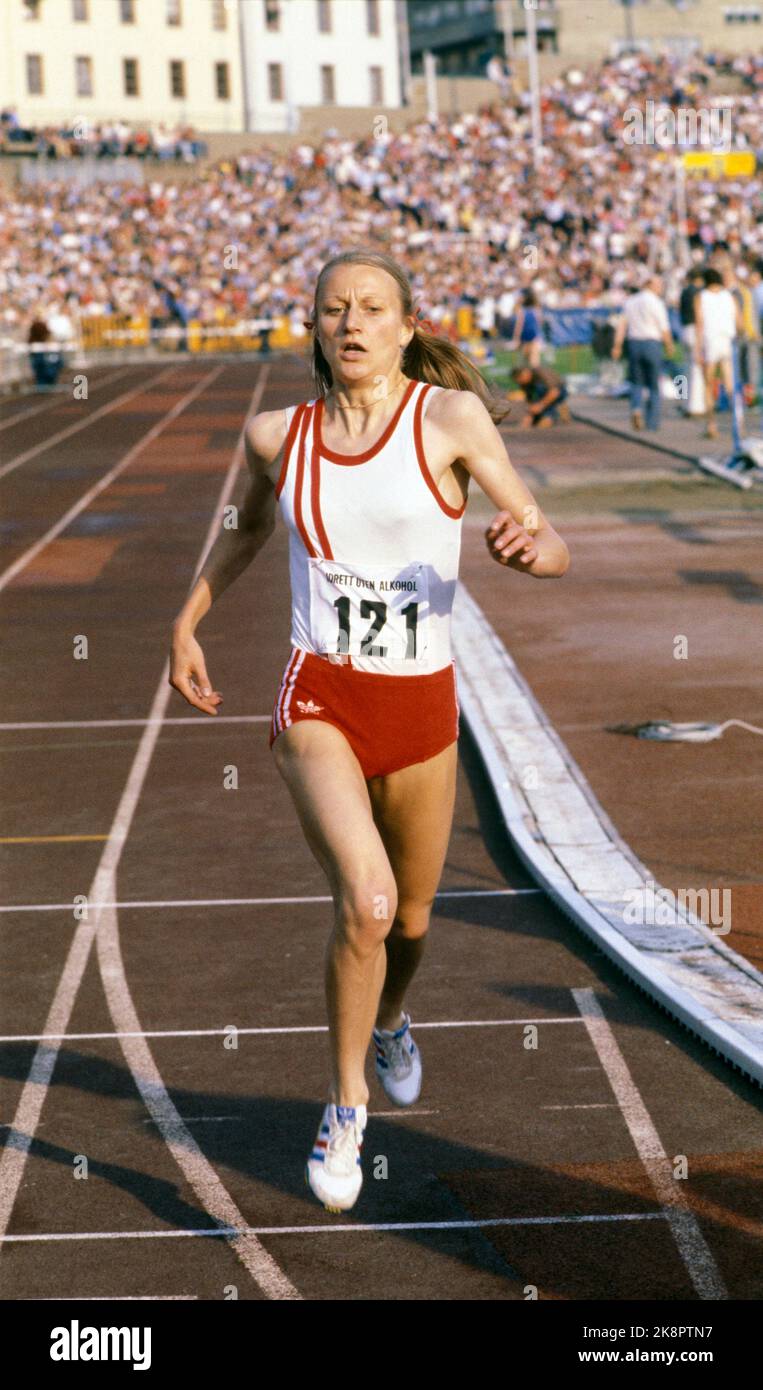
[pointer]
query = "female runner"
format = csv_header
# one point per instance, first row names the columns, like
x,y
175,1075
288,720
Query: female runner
x,y
371,476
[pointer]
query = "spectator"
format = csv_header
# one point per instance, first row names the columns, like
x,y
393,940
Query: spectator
x,y
507,303
695,282
645,327
749,332
527,329
46,366
545,393
718,319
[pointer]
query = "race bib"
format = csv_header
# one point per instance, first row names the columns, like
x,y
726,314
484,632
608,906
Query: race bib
x,y
369,610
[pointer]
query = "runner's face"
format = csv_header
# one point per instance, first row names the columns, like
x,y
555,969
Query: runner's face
x,y
360,304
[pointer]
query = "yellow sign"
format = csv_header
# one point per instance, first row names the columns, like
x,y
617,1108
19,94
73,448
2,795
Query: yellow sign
x,y
737,164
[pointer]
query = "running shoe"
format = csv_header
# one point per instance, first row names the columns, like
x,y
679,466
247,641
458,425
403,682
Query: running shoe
x,y
398,1063
333,1169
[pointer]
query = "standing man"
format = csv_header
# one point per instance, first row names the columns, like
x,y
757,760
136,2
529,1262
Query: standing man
x,y
718,319
645,327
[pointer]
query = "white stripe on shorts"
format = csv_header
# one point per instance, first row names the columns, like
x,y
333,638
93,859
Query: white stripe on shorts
x,y
281,718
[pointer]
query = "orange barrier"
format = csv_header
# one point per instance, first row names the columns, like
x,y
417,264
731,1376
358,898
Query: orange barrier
x,y
100,331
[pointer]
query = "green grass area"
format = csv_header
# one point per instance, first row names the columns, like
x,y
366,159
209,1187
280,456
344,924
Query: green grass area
x,y
577,358
565,360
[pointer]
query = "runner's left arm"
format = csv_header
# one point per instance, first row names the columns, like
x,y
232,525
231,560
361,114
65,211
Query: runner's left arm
x,y
519,535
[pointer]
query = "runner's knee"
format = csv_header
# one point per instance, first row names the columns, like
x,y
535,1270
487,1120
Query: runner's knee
x,y
365,909
412,919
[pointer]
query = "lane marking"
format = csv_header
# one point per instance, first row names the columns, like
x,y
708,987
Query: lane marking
x,y
46,839
82,424
571,1220
599,1105
63,399
258,902
692,1246
203,721
266,1032
115,1298
101,927
87,497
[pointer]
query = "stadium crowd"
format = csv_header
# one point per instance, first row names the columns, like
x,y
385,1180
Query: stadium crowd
x,y
101,140
458,200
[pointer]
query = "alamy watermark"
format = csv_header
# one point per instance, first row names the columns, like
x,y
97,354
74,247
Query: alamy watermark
x,y
654,906
668,126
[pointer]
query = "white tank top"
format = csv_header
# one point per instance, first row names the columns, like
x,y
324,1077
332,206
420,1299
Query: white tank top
x,y
374,547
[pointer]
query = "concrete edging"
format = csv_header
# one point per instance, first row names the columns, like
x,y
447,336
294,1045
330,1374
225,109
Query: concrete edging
x,y
570,846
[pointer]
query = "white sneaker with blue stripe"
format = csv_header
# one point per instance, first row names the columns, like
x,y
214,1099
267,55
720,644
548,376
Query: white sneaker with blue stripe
x,y
333,1169
398,1063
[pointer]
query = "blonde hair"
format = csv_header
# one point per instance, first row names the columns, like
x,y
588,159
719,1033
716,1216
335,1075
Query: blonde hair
x,y
428,357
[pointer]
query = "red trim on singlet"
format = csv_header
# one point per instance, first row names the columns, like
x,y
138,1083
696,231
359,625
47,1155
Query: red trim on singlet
x,y
455,512
288,442
335,457
298,485
315,493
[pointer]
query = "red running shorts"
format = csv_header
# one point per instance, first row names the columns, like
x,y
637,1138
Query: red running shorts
x,y
389,721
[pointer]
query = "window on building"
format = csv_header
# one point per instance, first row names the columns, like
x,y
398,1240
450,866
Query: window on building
x,y
219,14
177,78
372,16
327,85
222,81
31,9
127,11
79,11
377,86
130,77
34,83
275,81
174,11
742,14
324,16
272,15
83,75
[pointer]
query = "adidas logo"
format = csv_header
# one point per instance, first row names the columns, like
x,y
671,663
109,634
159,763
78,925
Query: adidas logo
x,y
307,707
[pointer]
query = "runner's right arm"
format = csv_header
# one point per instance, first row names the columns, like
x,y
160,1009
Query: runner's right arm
x,y
230,555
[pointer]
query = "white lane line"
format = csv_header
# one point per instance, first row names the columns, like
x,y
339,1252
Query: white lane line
x,y
604,1105
268,1032
203,721
82,424
101,926
692,1246
259,902
63,399
565,1220
115,1298
107,478
198,1171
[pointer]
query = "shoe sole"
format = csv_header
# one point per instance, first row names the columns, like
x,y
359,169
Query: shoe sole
x,y
335,1211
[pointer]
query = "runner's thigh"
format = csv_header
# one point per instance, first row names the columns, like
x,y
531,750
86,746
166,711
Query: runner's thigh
x,y
329,791
413,809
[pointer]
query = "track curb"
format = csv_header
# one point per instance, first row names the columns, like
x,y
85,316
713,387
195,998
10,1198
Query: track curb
x,y
572,849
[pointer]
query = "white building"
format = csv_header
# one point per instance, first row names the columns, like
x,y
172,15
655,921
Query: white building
x,y
171,61
299,53
218,65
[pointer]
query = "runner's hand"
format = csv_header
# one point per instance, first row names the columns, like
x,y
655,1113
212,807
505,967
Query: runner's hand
x,y
509,543
188,674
